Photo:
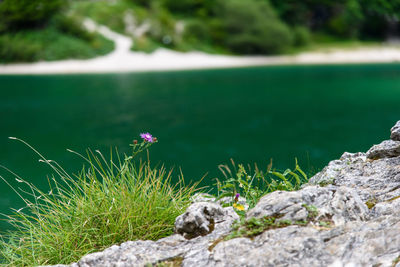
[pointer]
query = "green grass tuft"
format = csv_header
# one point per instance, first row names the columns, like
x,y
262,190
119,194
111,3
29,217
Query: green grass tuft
x,y
108,202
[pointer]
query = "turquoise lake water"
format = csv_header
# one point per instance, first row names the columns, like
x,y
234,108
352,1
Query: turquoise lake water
x,y
201,118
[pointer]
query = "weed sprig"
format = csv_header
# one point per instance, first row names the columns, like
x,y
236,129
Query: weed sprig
x,y
253,183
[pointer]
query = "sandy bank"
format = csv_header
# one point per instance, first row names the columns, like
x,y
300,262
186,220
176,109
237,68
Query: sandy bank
x,y
124,60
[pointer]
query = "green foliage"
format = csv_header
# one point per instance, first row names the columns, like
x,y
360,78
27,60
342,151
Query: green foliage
x,y
64,38
58,37
251,27
312,211
214,26
301,36
381,7
72,26
252,184
145,3
104,12
163,27
243,27
201,34
343,18
145,44
16,49
108,202
200,8
17,14
348,22
196,30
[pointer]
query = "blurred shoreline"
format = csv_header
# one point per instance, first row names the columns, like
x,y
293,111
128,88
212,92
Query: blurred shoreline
x,y
165,60
122,59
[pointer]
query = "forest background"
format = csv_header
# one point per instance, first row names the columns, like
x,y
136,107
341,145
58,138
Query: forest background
x,y
33,30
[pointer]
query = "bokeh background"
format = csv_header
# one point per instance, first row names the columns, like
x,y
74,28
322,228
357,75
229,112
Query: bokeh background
x,y
202,118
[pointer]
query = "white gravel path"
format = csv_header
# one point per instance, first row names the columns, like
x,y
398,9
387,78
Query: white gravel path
x,y
124,60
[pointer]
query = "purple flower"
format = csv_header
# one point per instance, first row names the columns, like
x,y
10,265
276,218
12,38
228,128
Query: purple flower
x,y
237,197
147,137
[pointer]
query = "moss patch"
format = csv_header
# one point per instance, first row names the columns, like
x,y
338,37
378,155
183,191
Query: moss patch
x,y
371,203
327,182
173,262
254,226
312,211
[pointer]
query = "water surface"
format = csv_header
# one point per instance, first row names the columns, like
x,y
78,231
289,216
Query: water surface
x,y
201,118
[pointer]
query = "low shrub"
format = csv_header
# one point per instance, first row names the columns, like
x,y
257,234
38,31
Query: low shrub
x,y
50,44
196,30
190,7
145,44
162,27
252,27
72,26
301,36
104,12
14,49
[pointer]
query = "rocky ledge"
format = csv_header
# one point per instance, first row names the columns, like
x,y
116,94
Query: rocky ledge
x,y
347,215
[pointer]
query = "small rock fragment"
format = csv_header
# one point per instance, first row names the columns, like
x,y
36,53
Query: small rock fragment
x,y
395,132
386,149
201,218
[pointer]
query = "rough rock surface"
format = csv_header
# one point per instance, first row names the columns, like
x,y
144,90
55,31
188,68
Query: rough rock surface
x,y
202,218
358,193
395,132
340,204
386,149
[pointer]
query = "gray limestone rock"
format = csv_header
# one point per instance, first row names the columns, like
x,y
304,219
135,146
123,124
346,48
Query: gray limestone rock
x,y
359,195
395,132
376,180
341,204
136,253
201,218
290,246
225,201
386,149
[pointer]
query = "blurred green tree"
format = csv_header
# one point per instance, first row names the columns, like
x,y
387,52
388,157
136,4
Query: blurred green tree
x,y
200,8
344,18
251,27
18,14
